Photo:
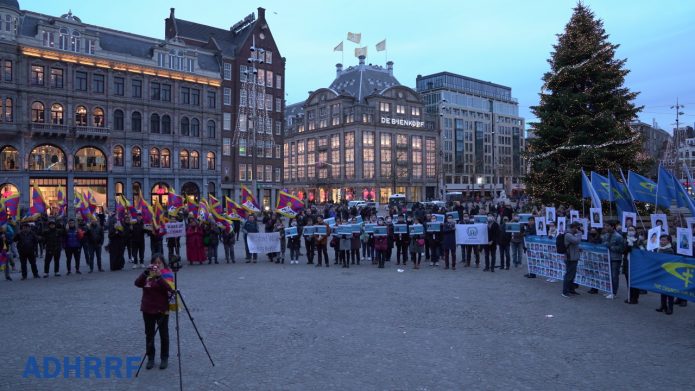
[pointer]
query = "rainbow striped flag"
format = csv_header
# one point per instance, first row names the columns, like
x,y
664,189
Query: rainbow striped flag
x,y
38,204
11,205
168,276
248,201
289,205
62,202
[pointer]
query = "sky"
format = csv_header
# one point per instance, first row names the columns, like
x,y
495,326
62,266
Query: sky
x,y
503,41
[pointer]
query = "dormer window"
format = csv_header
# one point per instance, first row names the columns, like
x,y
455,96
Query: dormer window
x,y
177,61
48,39
91,46
63,39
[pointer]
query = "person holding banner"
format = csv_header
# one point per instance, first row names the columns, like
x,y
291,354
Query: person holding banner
x,y
616,247
632,242
309,242
345,246
195,251
493,232
380,245
228,240
250,227
401,241
469,249
355,243
416,246
280,228
572,240
665,247
321,241
504,241
449,242
517,242
294,243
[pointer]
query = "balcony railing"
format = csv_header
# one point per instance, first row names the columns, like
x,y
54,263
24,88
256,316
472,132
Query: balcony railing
x,y
92,131
49,129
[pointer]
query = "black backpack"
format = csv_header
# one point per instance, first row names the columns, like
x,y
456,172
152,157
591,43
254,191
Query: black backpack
x,y
560,244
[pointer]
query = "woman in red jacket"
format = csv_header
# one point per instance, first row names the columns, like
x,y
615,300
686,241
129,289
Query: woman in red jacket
x,y
155,308
195,251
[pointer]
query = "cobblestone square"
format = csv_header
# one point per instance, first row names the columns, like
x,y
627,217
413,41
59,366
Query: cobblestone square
x,y
298,327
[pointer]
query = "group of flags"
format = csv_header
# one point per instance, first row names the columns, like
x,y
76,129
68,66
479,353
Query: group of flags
x,y
665,192
10,208
359,51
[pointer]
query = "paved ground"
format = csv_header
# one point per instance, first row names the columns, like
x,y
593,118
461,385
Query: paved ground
x,y
296,327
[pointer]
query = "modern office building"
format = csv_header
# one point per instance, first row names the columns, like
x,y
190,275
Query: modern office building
x,y
90,108
365,136
482,134
252,104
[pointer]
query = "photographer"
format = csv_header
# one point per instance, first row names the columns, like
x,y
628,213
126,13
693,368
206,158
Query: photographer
x,y
155,308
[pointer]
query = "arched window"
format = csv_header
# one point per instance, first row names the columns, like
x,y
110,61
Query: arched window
x,y
56,114
211,160
118,123
165,161
63,41
98,117
160,193
154,123
191,191
136,121
195,160
183,159
7,189
8,110
38,112
90,159
136,156
137,188
118,156
211,129
166,124
185,126
154,157
9,159
81,116
75,42
119,188
47,157
211,188
195,128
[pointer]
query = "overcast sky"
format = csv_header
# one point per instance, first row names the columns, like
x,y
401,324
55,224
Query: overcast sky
x,y
506,42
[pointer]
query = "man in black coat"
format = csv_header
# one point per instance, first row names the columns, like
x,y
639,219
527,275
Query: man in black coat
x,y
137,242
27,241
493,230
53,237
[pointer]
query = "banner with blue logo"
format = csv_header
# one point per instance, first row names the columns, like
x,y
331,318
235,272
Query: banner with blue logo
x,y
672,275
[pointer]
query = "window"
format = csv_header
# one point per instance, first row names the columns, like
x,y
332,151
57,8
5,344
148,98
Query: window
x,y
277,174
243,72
98,83
47,158
278,81
211,160
154,123
119,86
8,110
91,46
226,146
165,160
269,79
48,39
136,122
242,172
137,88
195,97
195,129
118,120
183,159
242,147
154,157
118,156
36,75
155,91
75,42
166,92
37,112
385,107
211,129
278,128
415,111
227,121
90,159
227,96
195,160
278,151
7,70
268,102
98,117
166,124
136,157
56,78
260,77
269,57
80,81
56,114
242,98
212,99
400,109
278,105
227,71
242,122
259,173
63,39
268,173
185,126
160,59
185,95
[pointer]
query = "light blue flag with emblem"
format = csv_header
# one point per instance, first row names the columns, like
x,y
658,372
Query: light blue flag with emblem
x,y
682,198
589,192
602,187
665,188
643,189
621,196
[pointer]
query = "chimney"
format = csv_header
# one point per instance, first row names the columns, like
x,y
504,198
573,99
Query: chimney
x,y
171,12
261,13
338,69
389,67
362,57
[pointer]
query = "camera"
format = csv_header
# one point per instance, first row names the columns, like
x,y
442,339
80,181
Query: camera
x,y
175,263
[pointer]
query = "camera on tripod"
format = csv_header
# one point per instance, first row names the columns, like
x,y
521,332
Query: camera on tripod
x,y
175,263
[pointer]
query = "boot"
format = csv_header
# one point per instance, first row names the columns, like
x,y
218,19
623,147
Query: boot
x,y
150,363
164,364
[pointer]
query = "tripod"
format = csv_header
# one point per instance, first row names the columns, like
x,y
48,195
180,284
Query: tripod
x,y
175,267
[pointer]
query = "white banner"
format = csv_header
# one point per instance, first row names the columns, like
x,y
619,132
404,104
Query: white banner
x,y
263,243
175,230
471,234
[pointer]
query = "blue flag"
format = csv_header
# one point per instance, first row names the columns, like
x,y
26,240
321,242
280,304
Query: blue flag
x,y
663,273
589,192
642,188
602,187
665,188
682,198
621,196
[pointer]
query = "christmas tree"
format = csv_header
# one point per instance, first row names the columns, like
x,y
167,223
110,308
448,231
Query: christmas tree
x,y
584,114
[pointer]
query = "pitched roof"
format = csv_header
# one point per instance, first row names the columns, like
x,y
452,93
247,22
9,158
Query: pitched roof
x,y
363,80
226,40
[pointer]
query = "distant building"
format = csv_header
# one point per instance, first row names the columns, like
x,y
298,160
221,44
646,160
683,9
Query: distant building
x,y
482,134
655,144
366,136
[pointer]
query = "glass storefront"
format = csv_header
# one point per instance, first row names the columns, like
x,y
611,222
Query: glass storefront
x,y
9,159
98,187
47,158
90,159
49,189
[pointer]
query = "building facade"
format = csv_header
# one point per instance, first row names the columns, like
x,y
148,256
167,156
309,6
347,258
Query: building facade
x,y
655,144
364,137
482,134
253,91
88,108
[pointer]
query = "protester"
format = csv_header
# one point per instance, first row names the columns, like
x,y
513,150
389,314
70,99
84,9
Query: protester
x,y
504,240
665,247
211,240
73,245
27,242
632,241
493,230
95,239
154,305
572,240
294,242
380,245
117,244
228,240
53,237
434,242
137,242
321,241
517,242
355,245
195,249
402,240
250,227
280,229
416,247
449,242
616,245
3,253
